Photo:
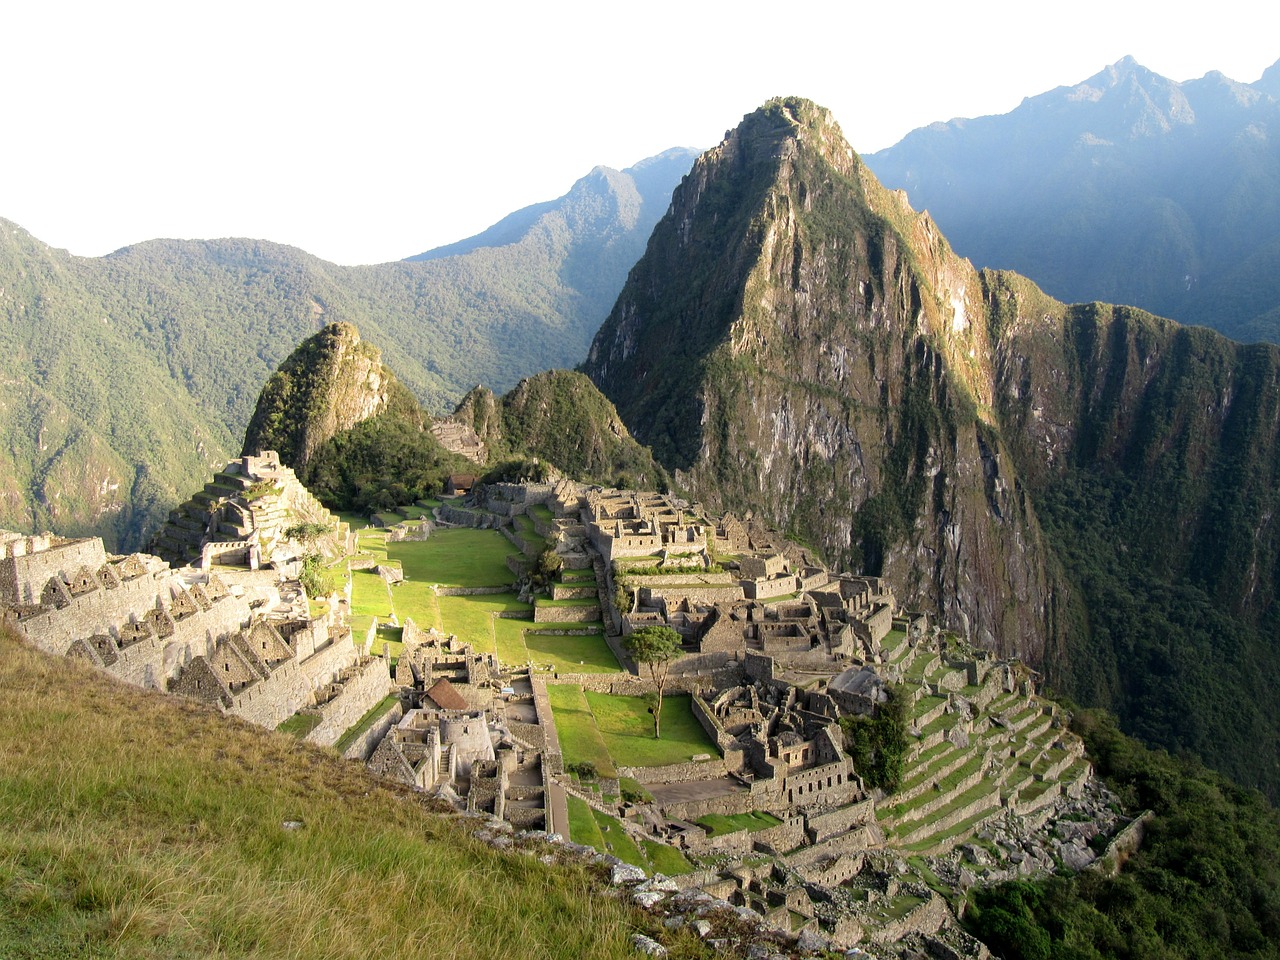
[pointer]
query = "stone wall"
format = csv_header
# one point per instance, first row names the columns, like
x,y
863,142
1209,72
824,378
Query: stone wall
x,y
370,684
1124,845
830,783
824,826
274,699
672,772
471,591
926,918
362,747
552,758
708,594
326,664
23,577
787,835
574,614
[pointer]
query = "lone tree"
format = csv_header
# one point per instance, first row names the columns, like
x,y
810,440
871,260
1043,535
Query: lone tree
x,y
655,647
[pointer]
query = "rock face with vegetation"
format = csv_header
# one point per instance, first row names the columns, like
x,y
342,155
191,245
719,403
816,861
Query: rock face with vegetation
x,y
131,376
798,342
1093,486
330,383
1127,187
561,417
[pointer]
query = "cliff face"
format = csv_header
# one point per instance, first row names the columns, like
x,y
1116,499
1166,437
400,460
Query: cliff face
x,y
330,383
797,340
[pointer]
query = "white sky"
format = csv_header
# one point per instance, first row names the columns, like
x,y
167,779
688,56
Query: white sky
x,y
366,132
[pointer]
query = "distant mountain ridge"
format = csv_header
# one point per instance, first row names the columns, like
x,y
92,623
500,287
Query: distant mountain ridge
x,y
129,376
1127,188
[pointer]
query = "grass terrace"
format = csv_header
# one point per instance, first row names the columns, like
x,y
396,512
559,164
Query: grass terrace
x,y
716,823
372,716
626,727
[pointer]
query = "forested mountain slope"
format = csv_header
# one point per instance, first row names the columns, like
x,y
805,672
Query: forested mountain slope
x,y
129,376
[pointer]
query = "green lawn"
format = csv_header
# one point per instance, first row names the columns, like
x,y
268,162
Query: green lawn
x,y
542,512
387,638
370,597
617,842
471,618
571,654
300,724
666,859
456,557
755,820
582,824
580,738
605,833
626,728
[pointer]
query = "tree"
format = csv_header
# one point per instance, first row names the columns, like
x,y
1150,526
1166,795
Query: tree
x,y
656,647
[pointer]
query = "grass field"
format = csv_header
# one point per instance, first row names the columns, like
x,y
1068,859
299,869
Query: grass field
x,y
471,618
580,739
120,839
605,833
456,557
626,728
755,820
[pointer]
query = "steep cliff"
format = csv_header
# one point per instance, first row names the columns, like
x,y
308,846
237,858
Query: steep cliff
x,y
796,340
330,383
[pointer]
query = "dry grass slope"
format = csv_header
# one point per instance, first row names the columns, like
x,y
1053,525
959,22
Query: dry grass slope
x,y
135,825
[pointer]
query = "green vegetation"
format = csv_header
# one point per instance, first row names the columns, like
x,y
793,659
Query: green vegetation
x,y
316,577
654,648
241,843
1205,883
300,724
361,726
878,744
717,823
605,833
624,724
456,557
580,739
562,418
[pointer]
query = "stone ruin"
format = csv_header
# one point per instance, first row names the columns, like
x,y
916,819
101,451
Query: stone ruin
x,y
240,640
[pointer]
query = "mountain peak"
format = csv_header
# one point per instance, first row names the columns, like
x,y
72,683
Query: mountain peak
x,y
330,383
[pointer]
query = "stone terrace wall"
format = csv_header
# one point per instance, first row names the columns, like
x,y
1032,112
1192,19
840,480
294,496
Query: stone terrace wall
x,y
574,614
274,699
325,665
22,578
826,825
708,594
671,772
362,747
370,684
787,835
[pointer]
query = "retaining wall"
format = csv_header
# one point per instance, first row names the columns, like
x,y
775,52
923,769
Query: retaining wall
x,y
362,747
369,685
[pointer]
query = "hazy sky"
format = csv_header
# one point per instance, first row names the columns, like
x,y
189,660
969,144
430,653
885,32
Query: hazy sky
x,y
370,132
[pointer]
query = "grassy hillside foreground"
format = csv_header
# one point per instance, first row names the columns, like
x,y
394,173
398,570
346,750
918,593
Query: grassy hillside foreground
x,y
136,825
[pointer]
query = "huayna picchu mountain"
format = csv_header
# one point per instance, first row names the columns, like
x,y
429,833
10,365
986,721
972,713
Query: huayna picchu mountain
x,y
1088,486
330,383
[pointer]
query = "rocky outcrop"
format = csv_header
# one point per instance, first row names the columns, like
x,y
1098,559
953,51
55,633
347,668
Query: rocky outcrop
x,y
330,383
